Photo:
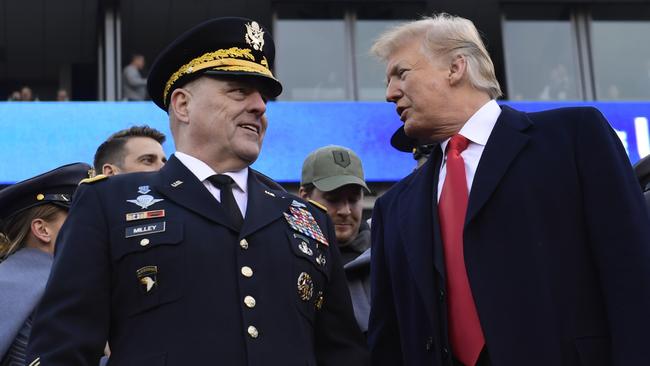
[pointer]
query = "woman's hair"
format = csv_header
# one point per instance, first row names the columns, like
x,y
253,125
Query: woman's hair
x,y
17,227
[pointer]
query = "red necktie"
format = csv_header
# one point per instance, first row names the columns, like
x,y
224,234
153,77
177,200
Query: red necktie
x,y
465,334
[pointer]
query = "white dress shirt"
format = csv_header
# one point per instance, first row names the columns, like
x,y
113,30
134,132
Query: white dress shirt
x,y
202,171
477,130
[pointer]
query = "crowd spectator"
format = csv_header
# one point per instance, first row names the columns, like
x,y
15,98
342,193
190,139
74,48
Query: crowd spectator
x,y
332,177
62,95
26,94
134,85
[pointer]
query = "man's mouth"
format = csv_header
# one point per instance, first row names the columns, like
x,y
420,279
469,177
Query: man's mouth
x,y
401,111
250,127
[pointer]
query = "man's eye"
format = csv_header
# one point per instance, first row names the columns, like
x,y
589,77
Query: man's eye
x,y
401,73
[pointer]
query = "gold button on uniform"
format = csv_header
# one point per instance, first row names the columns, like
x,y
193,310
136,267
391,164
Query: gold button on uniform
x,y
243,244
247,271
144,242
252,331
249,301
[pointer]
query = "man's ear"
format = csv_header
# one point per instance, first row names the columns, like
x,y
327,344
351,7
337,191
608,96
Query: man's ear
x,y
41,231
457,69
302,193
110,169
179,104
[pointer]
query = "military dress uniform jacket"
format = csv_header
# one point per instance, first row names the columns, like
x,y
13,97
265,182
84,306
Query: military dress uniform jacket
x,y
179,286
556,245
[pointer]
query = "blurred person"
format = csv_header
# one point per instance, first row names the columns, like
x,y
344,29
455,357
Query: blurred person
x,y
62,95
559,84
642,170
14,96
134,85
26,94
403,143
332,178
135,149
31,214
523,240
201,261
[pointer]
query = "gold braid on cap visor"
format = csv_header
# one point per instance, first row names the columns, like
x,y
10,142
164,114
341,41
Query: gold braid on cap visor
x,y
231,59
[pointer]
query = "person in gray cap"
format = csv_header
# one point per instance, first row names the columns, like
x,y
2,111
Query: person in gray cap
x,y
333,179
31,214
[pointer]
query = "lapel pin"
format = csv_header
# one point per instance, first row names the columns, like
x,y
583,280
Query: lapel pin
x,y
270,193
177,183
298,204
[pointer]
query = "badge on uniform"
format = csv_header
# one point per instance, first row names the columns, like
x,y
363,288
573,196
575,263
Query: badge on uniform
x,y
305,248
298,204
144,200
321,260
147,278
145,229
303,222
133,216
320,299
305,286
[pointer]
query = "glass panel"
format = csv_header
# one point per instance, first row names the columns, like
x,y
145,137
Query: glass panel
x,y
49,48
541,60
621,59
310,59
371,75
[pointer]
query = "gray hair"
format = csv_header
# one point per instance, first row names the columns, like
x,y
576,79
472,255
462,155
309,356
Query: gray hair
x,y
449,36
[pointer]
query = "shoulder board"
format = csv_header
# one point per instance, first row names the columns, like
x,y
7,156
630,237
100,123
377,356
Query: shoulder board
x,y
319,205
94,179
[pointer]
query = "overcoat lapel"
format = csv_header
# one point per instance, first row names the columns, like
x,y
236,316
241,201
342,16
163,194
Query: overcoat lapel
x,y
264,206
418,216
506,141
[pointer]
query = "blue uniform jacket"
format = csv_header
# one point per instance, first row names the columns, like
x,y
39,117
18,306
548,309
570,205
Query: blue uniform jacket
x,y
184,288
556,243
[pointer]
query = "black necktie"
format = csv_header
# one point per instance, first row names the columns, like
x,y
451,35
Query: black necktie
x,y
224,183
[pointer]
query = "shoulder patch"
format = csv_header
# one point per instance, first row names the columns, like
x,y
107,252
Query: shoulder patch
x,y
319,205
94,179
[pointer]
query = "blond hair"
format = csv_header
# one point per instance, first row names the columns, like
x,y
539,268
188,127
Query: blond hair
x,y
16,228
445,35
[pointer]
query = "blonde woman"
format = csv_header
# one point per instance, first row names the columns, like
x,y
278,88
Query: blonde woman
x,y
31,214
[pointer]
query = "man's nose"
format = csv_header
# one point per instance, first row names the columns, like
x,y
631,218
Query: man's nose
x,y
393,91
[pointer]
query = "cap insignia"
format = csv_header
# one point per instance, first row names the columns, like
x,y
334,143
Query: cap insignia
x,y
254,36
341,158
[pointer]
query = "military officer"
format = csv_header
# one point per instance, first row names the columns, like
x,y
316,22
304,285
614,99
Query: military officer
x,y
204,261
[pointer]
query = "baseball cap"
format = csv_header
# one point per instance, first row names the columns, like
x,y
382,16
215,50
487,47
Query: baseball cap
x,y
331,167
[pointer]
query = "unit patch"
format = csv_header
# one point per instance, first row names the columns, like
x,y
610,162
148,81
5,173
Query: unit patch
x,y
144,229
133,216
147,278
